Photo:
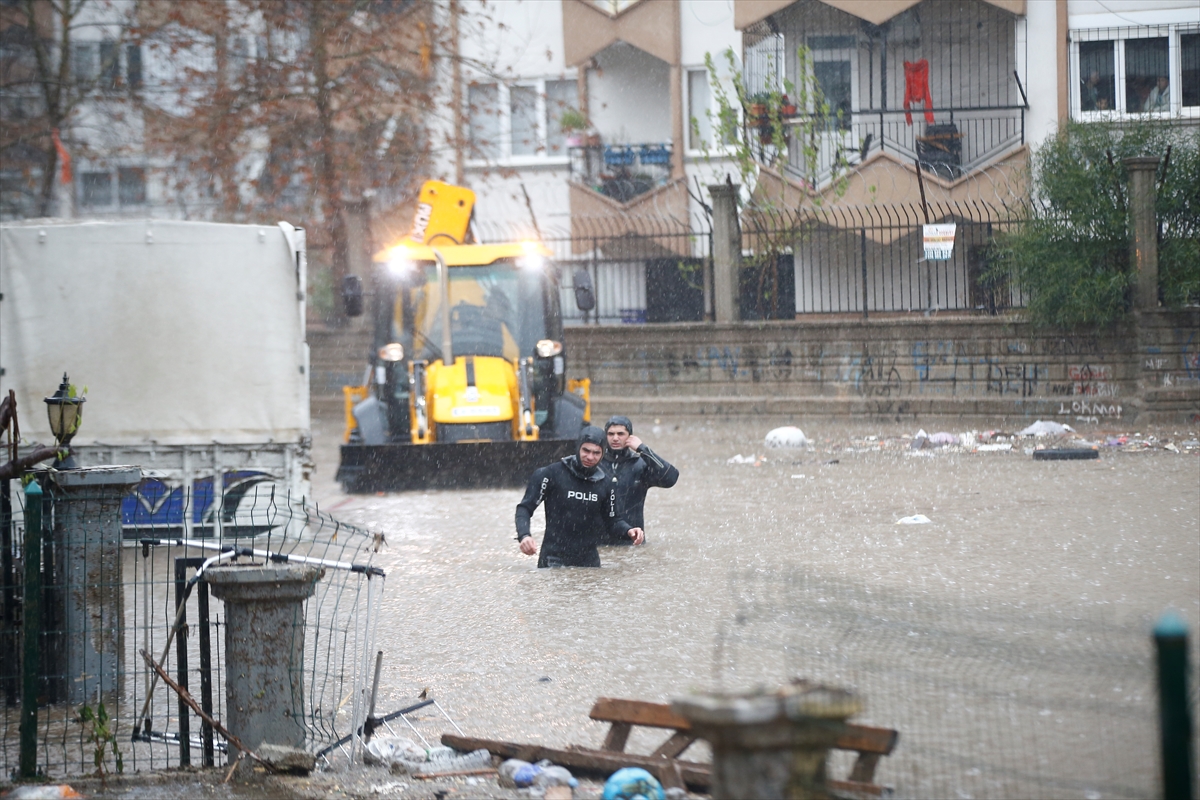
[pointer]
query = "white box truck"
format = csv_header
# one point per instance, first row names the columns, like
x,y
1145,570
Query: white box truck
x,y
190,339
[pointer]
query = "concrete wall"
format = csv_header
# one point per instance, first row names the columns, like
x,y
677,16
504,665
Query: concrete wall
x,y
898,368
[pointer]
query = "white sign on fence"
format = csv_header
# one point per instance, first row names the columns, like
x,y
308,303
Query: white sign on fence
x,y
939,241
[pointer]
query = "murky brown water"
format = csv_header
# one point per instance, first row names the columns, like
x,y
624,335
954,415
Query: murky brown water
x,y
1000,639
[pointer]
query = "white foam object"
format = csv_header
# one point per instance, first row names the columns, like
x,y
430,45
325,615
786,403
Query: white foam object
x,y
915,519
787,436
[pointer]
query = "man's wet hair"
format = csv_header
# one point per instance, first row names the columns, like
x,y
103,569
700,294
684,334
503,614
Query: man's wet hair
x,y
619,420
590,434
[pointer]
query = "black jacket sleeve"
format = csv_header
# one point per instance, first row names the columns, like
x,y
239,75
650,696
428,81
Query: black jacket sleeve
x,y
657,471
535,493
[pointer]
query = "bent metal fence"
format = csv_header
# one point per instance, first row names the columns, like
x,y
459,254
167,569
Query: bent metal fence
x,y
112,586
990,698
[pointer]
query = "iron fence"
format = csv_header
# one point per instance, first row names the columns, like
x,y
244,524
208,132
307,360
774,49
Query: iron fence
x,y
110,589
870,259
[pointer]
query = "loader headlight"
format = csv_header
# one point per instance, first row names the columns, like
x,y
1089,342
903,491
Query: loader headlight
x,y
391,352
548,348
400,265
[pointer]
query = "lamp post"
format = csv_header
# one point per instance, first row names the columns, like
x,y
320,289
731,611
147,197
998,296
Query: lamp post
x,y
66,413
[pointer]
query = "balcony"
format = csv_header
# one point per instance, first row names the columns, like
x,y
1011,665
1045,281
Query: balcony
x,y
956,65
621,172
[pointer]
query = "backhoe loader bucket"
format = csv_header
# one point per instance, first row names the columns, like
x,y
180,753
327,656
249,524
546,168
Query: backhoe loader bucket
x,y
461,465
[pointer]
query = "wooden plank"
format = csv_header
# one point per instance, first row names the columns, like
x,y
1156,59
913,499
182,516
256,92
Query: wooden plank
x,y
637,712
866,739
695,775
864,767
673,747
617,736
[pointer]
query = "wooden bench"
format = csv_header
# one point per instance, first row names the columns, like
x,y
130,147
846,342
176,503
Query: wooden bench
x,y
871,744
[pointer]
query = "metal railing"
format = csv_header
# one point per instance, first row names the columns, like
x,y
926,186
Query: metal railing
x,y
621,171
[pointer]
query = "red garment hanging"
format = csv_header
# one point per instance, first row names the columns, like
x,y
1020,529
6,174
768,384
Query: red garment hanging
x,y
916,89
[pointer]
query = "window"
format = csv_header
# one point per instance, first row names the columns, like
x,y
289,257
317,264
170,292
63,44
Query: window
x,y
97,189
833,59
131,186
1137,70
83,61
519,121
1098,76
110,65
133,65
699,100
560,95
1147,77
100,65
483,110
1189,73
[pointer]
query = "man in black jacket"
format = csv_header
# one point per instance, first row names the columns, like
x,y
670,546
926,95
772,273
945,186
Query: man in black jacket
x,y
581,507
632,468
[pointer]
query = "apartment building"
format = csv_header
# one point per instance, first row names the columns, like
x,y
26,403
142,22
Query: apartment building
x,y
928,103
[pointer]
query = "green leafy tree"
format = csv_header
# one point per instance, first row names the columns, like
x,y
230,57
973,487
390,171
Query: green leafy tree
x,y
1072,253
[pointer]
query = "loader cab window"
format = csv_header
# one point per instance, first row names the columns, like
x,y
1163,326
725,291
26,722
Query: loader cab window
x,y
496,310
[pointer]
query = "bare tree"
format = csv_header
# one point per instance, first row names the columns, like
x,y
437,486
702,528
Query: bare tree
x,y
42,84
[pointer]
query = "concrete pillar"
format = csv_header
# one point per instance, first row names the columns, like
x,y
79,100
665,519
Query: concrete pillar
x,y
1143,228
727,251
88,586
264,650
770,746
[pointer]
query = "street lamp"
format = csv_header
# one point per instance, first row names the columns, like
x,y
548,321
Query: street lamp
x,y
65,413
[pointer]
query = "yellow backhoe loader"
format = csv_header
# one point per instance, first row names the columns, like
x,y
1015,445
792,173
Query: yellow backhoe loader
x,y
466,382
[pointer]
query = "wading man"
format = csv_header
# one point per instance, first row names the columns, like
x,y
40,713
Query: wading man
x,y
581,507
632,468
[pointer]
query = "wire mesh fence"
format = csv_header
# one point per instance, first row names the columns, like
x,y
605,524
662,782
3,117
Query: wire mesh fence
x,y
991,699
110,588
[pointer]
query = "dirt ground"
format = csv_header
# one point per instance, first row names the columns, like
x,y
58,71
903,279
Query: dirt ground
x,y
1035,584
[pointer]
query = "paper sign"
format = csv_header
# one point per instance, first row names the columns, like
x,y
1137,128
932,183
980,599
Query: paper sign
x,y
939,241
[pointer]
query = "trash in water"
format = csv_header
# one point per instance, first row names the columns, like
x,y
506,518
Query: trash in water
x,y
750,459
508,771
1047,428
524,776
554,775
994,448
630,782
794,477
61,790
915,519
390,750
787,436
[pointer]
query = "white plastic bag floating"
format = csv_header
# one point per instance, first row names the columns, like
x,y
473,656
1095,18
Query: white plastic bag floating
x,y
388,750
787,436
915,519
1047,428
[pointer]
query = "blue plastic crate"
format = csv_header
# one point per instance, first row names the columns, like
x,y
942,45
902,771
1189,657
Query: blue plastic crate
x,y
618,156
633,316
655,154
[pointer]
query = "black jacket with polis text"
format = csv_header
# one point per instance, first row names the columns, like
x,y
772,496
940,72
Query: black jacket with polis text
x,y
633,472
581,509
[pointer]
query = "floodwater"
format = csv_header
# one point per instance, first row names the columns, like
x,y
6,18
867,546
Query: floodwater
x,y
1008,639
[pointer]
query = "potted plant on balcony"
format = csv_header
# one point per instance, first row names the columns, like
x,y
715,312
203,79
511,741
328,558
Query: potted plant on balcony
x,y
786,107
757,105
574,124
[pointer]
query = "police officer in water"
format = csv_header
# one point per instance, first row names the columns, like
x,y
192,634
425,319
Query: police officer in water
x,y
581,507
632,468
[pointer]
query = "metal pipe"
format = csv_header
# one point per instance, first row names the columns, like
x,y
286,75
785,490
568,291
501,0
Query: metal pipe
x,y
443,274
1175,723
231,551
31,629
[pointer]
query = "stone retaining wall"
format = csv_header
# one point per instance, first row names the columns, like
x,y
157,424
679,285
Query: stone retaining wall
x,y
1147,369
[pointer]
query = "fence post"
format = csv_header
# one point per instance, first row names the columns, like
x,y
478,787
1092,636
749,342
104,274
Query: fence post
x,y
863,241
770,745
1144,228
31,629
264,650
8,625
727,251
1175,723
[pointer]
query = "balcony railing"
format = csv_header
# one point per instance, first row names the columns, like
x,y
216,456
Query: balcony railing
x,y
621,172
963,140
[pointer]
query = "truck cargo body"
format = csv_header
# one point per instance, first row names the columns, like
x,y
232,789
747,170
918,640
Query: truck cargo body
x,y
190,339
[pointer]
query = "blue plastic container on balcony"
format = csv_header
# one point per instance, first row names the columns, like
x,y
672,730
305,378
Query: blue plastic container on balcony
x,y
655,154
618,156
